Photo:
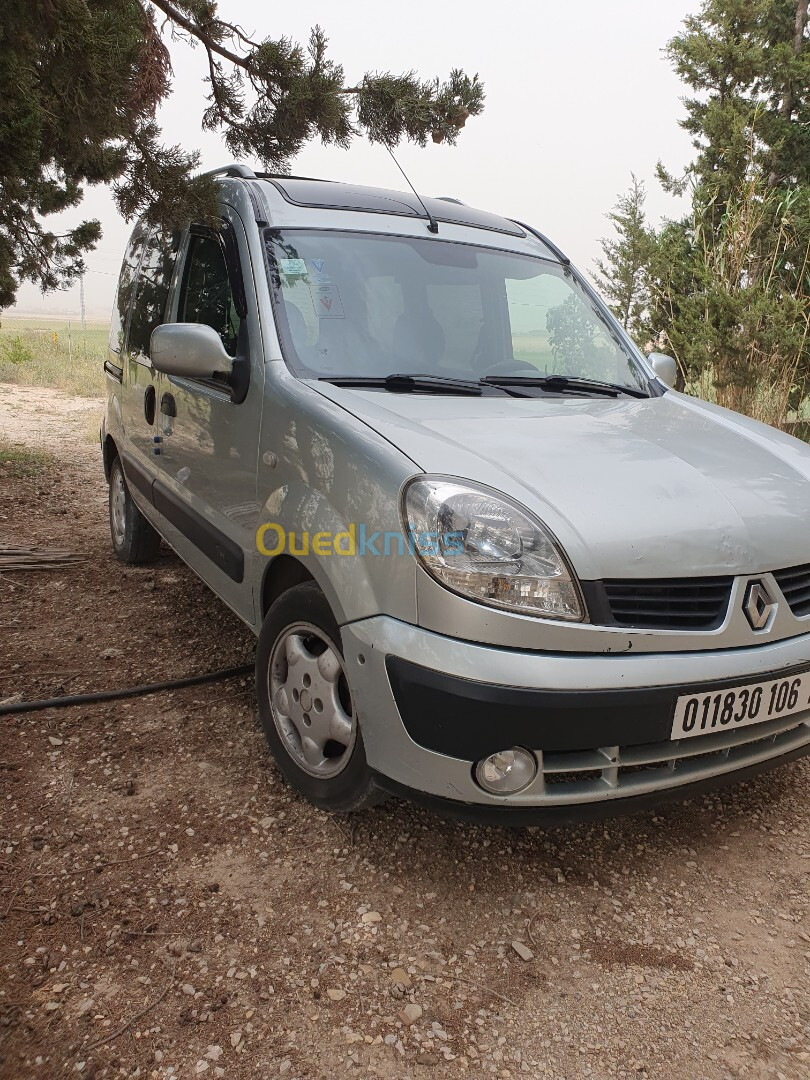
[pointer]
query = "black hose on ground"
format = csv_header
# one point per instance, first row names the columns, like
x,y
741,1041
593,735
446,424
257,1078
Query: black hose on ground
x,y
133,691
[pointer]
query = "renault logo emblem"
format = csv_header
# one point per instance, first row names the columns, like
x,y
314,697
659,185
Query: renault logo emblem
x,y
758,606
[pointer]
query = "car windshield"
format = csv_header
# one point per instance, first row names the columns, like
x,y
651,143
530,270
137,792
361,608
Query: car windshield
x,y
367,305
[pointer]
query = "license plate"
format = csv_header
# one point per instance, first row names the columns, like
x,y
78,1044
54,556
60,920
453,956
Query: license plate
x,y
740,706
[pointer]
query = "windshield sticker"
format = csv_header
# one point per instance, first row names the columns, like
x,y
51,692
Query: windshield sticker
x,y
327,302
320,273
293,267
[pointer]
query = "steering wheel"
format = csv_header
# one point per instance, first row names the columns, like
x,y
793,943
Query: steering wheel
x,y
509,367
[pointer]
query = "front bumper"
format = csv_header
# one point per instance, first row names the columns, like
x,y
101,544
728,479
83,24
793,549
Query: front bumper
x,y
430,706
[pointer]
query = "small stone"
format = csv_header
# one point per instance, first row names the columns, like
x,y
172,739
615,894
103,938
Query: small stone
x,y
427,1059
285,1066
410,1014
187,988
400,975
214,1053
52,1006
371,917
336,995
54,741
523,951
236,1038
201,1066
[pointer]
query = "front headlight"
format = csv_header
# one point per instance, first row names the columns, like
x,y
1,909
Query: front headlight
x,y
482,545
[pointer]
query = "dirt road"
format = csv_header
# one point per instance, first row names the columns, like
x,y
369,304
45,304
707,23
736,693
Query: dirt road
x,y
169,909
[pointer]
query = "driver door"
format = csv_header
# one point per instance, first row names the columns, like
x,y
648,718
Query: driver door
x,y
208,431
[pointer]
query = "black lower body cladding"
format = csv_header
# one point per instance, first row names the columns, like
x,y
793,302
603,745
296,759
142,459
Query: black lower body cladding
x,y
470,720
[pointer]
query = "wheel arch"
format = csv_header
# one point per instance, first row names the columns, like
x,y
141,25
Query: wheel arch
x,y
109,452
282,573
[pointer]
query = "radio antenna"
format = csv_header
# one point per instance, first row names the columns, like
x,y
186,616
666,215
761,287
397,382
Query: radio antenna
x,y
433,225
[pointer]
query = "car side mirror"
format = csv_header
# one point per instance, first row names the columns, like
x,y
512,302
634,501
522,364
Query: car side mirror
x,y
664,367
191,350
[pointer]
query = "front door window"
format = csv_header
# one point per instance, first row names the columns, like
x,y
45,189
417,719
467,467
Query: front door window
x,y
207,296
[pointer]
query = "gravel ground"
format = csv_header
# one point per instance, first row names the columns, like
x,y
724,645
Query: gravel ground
x,y
168,907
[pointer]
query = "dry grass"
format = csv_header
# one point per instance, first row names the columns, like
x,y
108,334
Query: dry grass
x,y
18,461
766,403
40,352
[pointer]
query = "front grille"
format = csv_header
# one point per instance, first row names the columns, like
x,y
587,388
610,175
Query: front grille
x,y
670,603
795,586
584,776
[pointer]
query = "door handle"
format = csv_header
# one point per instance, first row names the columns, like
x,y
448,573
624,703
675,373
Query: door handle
x,y
167,405
149,405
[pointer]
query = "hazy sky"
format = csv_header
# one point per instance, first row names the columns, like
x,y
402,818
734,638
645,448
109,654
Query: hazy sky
x,y
579,96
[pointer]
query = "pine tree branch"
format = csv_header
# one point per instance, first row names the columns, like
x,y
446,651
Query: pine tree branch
x,y
268,97
196,31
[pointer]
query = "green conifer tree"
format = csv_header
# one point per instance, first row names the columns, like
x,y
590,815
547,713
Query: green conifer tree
x,y
621,275
80,84
728,285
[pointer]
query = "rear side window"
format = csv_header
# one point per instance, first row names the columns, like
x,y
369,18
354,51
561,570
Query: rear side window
x,y
126,285
154,281
207,296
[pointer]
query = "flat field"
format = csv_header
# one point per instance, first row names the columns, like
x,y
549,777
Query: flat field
x,y
53,352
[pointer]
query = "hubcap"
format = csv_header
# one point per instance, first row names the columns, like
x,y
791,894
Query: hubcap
x,y
310,700
118,507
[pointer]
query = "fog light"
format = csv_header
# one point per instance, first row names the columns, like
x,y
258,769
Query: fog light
x,y
506,772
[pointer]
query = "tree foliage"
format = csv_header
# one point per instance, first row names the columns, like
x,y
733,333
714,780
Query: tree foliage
x,y
622,273
727,287
80,85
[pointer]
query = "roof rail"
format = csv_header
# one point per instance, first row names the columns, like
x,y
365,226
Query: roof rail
x,y
234,169
292,176
450,198
545,240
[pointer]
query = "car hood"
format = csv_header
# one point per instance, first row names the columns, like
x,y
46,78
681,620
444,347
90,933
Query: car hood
x,y
632,488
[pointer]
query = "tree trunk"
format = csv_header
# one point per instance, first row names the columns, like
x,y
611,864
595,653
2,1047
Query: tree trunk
x,y
802,13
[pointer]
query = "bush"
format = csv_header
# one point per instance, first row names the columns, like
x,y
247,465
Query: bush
x,y
16,352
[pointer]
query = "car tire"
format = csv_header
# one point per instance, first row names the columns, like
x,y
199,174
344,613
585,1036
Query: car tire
x,y
133,538
305,704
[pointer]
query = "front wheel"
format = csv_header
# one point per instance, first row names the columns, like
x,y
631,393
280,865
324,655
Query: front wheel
x,y
133,538
305,703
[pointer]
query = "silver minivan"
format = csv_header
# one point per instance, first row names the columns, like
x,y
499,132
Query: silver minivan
x,y
495,563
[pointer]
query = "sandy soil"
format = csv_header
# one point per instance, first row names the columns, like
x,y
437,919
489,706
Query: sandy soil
x,y
168,908
47,419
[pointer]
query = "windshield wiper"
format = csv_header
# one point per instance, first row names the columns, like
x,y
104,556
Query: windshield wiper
x,y
565,384
407,384
430,384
